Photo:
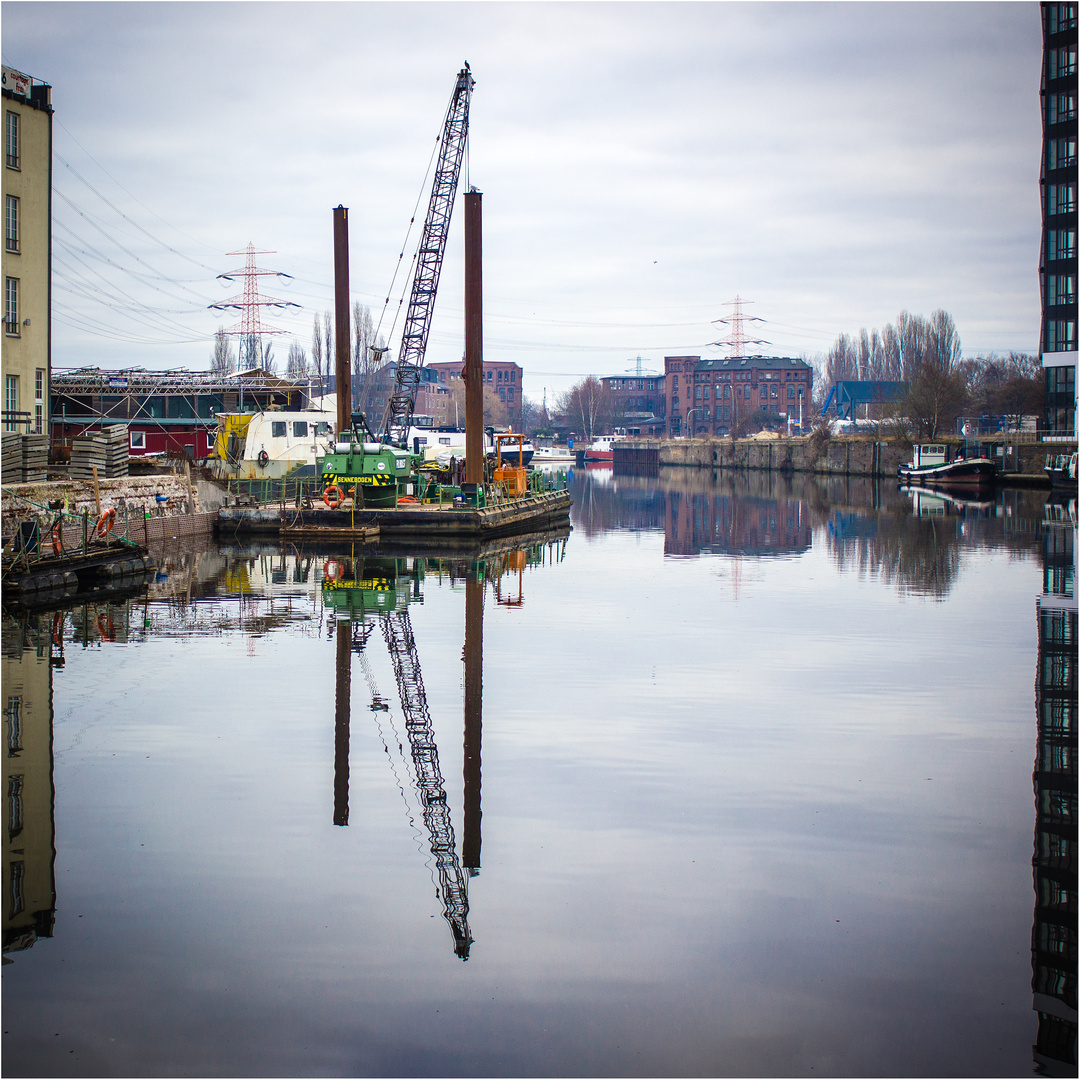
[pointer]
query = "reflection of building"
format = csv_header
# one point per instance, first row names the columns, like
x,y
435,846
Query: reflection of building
x,y
1057,182
727,524
29,896
712,397
1054,933
27,253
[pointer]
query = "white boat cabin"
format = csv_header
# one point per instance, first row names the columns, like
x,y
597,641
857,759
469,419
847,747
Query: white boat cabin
x,y
928,454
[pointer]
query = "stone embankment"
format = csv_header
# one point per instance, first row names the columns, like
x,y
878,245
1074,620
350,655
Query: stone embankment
x,y
838,456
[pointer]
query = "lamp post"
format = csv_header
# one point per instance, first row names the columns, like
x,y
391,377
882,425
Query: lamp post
x,y
693,409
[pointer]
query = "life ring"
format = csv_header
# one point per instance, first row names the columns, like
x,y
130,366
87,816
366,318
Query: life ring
x,y
106,522
57,537
105,627
331,570
408,499
263,459
333,496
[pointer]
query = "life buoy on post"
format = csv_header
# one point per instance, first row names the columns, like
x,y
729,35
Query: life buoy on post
x,y
106,523
333,496
57,537
331,570
263,459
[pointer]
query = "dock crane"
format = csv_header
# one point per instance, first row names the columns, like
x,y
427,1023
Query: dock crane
x,y
377,465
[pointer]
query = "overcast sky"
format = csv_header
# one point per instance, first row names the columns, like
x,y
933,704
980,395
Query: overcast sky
x,y
641,165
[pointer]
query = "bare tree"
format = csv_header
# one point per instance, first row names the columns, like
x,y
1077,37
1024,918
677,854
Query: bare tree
x,y
296,367
222,360
587,405
368,356
317,357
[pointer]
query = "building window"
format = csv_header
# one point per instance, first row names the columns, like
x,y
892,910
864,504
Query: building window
x,y
138,440
1062,153
11,400
1062,107
1062,61
1060,289
1062,17
11,306
1060,335
1061,244
1061,198
12,142
11,223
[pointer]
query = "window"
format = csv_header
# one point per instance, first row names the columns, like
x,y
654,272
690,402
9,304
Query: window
x,y
11,400
513,375
1060,335
11,306
1061,198
12,140
278,429
137,439
299,429
11,223
1062,107
1061,244
39,401
322,428
1060,289
1062,17
1062,153
1062,61
791,393
510,393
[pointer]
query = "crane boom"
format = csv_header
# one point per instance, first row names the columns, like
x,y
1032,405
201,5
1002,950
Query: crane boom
x,y
399,409
453,890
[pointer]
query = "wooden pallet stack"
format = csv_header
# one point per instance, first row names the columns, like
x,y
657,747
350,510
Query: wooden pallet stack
x,y
116,452
35,458
11,465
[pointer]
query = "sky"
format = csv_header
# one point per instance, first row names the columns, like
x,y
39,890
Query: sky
x,y
642,165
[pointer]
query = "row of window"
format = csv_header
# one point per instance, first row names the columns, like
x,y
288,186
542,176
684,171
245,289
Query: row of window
x,y
1061,198
1060,336
12,399
1060,289
631,384
1061,107
1060,244
1061,17
279,429
1061,153
1062,61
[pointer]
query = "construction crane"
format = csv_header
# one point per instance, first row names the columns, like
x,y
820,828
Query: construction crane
x,y
414,337
454,893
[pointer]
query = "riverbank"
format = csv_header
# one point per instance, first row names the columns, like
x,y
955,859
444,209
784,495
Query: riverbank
x,y
1021,462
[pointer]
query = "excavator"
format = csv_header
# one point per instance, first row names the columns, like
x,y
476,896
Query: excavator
x,y
378,464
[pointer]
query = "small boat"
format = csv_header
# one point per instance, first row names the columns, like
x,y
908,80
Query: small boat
x,y
930,467
552,455
1061,470
600,449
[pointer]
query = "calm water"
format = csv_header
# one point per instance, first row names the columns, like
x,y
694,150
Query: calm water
x,y
747,790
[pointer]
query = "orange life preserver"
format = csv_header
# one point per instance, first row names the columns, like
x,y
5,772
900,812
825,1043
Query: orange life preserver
x,y
407,499
105,627
263,459
58,537
106,522
333,496
331,570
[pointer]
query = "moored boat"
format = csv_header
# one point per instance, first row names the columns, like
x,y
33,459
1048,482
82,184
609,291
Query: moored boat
x,y
930,466
600,449
1061,470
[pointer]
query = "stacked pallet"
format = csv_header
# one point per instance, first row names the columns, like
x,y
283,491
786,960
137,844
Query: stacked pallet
x,y
11,466
35,458
116,450
87,453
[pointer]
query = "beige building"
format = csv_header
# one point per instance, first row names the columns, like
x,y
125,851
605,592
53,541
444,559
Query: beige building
x,y
27,256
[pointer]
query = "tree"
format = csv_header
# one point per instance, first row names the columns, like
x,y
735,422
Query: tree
x,y
368,355
317,358
222,360
296,367
587,405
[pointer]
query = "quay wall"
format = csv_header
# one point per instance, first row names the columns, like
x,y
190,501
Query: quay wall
x,y
839,456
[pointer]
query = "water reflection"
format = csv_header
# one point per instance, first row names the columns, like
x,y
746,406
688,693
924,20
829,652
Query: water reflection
x,y
912,539
30,653
1054,934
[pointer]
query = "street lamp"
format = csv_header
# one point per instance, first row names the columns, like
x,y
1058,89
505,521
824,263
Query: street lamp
x,y
694,409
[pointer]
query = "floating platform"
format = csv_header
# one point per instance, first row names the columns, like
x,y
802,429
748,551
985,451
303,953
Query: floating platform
x,y
407,522
75,576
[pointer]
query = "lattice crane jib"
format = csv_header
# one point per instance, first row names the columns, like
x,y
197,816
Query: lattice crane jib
x,y
399,409
453,888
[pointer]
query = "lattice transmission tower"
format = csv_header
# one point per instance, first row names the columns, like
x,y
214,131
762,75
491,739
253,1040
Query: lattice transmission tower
x,y
737,339
250,329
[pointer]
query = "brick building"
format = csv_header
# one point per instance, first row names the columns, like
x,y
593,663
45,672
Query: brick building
x,y
711,397
637,402
503,379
